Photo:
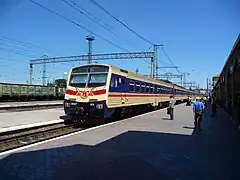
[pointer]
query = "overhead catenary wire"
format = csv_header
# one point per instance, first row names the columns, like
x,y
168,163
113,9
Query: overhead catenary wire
x,y
94,17
16,52
6,41
121,22
18,42
20,48
77,24
76,7
170,60
89,16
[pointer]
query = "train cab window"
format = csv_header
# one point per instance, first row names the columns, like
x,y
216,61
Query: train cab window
x,y
147,88
115,82
120,80
131,86
112,84
137,87
158,90
143,88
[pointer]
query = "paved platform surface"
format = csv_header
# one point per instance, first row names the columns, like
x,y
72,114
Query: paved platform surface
x,y
149,147
8,104
10,119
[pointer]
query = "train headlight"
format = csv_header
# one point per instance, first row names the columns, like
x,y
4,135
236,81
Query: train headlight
x,y
67,104
99,106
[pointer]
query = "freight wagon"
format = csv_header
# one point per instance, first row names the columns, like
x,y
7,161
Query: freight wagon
x,y
25,92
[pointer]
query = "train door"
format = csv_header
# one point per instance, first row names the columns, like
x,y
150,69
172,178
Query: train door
x,y
173,91
122,83
155,95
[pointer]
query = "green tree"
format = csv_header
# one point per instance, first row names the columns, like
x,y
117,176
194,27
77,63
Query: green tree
x,y
60,82
165,80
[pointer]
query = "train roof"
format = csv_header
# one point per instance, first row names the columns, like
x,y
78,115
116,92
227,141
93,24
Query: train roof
x,y
229,60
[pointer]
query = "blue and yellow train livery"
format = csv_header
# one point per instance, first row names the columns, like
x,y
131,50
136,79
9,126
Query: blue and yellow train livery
x,y
97,92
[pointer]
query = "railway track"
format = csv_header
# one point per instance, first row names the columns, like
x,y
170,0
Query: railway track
x,y
29,107
18,138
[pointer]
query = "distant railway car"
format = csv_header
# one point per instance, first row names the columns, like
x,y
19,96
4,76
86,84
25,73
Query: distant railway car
x,y
96,92
25,92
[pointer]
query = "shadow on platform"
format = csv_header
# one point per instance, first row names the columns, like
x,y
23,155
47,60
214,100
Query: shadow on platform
x,y
132,155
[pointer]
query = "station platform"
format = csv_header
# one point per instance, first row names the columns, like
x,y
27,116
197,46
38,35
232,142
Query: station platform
x,y
15,120
148,147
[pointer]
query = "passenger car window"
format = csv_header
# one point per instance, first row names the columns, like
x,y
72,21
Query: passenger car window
x,y
131,86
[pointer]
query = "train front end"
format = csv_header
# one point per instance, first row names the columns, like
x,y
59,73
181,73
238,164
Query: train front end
x,y
86,94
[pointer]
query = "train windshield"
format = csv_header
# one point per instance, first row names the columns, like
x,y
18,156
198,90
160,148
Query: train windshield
x,y
96,80
78,80
89,76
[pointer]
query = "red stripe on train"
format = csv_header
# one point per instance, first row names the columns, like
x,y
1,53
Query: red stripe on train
x,y
85,93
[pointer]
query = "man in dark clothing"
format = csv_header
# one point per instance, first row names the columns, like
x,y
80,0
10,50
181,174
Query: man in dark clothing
x,y
171,107
198,108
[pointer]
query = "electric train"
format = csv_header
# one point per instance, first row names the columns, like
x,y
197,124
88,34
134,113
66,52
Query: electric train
x,y
96,92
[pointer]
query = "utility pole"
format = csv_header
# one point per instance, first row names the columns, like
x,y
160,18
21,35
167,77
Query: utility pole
x,y
207,85
31,74
152,67
90,39
44,71
154,62
184,79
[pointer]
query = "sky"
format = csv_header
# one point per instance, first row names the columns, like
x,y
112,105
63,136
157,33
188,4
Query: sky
x,y
197,35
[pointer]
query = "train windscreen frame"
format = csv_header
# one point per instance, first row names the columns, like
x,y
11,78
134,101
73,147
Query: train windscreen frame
x,y
91,68
89,76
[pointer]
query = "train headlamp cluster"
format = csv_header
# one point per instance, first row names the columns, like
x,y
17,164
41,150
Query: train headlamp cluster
x,y
99,106
67,104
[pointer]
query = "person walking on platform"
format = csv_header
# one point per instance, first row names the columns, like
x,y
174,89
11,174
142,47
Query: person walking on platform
x,y
198,108
205,101
171,107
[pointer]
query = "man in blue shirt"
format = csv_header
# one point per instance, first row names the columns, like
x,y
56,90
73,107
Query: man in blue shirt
x,y
198,108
